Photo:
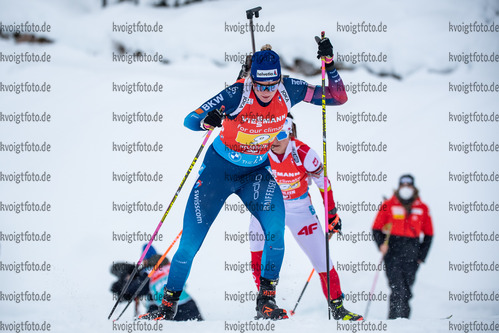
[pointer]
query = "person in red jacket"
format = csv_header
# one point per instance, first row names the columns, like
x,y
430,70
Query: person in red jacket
x,y
294,165
405,217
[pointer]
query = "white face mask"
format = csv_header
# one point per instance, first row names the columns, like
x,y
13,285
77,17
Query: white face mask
x,y
406,192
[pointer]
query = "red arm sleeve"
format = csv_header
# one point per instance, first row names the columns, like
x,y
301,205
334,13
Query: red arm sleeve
x,y
382,217
313,166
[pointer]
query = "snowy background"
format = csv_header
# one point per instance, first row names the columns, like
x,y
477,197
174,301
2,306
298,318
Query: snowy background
x,y
195,42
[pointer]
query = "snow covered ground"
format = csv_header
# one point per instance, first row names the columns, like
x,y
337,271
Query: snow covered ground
x,y
197,40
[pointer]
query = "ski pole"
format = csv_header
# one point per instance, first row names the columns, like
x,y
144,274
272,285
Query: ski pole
x,y
305,287
135,270
302,292
376,277
146,280
326,182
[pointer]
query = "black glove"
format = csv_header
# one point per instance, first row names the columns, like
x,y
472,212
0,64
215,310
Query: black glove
x,y
326,51
213,119
334,223
325,47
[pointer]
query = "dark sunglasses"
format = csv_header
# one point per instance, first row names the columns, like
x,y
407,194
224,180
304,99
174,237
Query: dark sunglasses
x,y
262,87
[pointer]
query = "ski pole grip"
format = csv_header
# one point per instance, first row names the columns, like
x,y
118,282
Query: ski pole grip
x,y
250,12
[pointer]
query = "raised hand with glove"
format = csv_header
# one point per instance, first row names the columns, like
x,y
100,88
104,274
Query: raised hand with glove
x,y
325,51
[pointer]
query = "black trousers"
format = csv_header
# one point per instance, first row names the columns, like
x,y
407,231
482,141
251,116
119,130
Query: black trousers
x,y
401,274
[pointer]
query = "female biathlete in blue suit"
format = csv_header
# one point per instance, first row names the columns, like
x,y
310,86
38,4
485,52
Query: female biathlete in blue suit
x,y
253,111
